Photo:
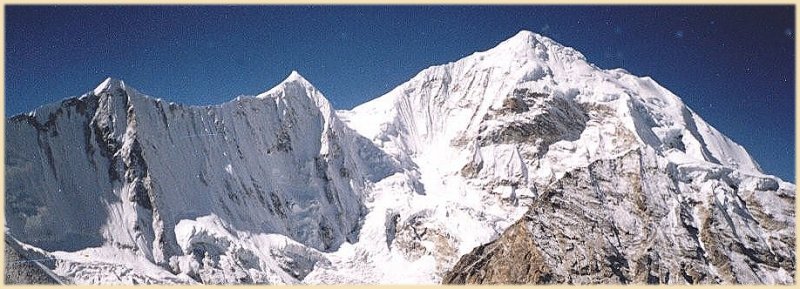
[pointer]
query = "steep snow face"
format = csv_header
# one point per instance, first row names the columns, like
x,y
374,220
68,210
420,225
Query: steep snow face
x,y
119,170
489,132
448,105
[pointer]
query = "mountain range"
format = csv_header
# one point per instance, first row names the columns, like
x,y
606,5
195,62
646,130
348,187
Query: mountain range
x,y
524,163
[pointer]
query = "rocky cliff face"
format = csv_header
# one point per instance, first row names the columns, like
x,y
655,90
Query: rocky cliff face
x,y
633,219
27,266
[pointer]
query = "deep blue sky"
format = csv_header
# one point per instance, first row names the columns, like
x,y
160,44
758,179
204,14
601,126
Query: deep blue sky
x,y
732,65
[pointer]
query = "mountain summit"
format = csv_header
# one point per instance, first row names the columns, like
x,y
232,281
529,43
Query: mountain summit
x,y
524,163
110,84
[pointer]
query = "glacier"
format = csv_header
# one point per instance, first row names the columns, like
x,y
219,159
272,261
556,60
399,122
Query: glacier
x,y
598,176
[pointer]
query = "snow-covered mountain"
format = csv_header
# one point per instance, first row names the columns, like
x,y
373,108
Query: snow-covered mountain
x,y
196,192
521,121
522,163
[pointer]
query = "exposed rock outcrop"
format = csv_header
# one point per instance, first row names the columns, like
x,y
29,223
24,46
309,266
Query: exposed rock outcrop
x,y
625,221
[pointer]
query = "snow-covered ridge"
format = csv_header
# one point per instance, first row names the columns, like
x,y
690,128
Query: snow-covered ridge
x,y
120,187
115,168
448,103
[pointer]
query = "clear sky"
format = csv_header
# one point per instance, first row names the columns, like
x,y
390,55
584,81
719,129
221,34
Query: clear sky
x,y
734,65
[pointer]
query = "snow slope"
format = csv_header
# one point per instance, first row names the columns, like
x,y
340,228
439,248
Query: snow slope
x,y
280,188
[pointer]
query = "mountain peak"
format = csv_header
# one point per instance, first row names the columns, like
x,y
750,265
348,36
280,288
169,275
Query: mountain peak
x,y
295,77
524,39
295,86
109,84
525,35
294,81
